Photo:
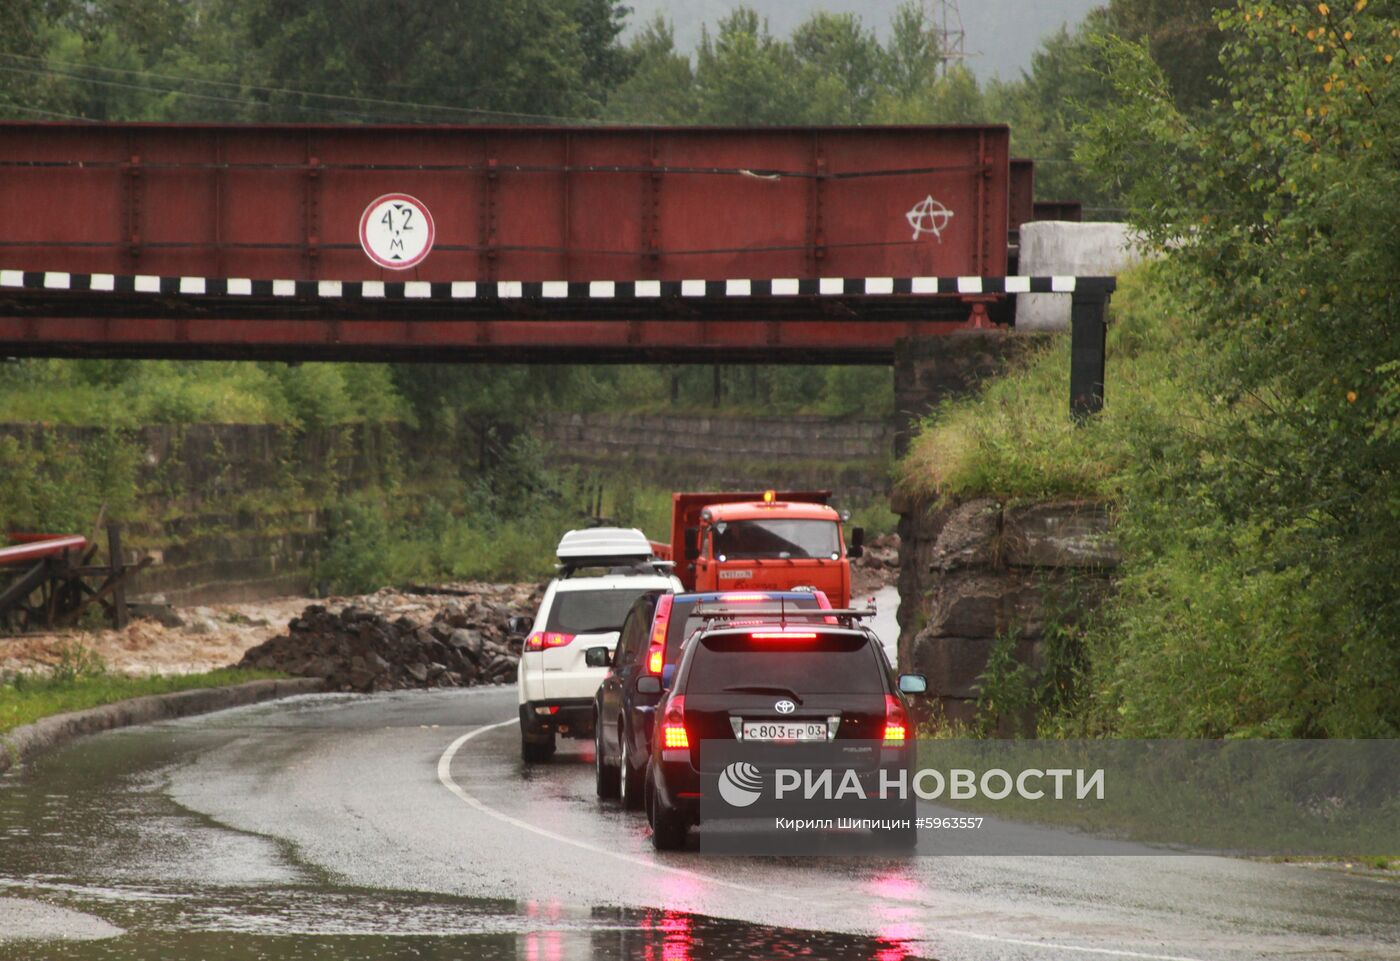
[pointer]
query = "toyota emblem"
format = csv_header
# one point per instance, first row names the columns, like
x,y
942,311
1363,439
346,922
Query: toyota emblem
x,y
784,706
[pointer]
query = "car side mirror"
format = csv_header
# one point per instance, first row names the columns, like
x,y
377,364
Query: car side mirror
x,y
597,657
913,684
648,684
518,625
692,543
857,548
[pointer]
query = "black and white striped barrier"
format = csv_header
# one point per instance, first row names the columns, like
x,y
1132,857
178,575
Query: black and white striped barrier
x,y
1087,313
473,290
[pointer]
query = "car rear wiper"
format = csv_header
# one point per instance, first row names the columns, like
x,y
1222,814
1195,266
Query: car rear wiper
x,y
765,689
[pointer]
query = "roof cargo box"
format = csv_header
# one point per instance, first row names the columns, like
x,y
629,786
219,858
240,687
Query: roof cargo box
x,y
603,547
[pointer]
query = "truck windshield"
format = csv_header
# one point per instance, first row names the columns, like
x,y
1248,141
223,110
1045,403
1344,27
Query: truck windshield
x,y
775,538
591,612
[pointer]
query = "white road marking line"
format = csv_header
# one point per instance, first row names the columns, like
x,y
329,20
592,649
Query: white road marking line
x,y
444,771
1109,952
445,776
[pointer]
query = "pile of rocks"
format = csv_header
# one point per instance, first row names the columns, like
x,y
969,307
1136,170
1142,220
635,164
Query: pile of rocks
x,y
878,567
390,640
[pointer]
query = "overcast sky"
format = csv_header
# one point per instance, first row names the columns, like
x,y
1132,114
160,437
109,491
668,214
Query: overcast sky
x,y
1001,34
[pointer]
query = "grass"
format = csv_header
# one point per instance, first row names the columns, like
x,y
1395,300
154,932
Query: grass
x,y
82,683
1221,622
1014,440
129,394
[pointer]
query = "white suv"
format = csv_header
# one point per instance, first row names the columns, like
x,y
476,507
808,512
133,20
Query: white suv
x,y
569,645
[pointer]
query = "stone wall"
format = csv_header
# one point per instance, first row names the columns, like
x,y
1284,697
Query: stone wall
x,y
236,512
850,456
972,572
930,370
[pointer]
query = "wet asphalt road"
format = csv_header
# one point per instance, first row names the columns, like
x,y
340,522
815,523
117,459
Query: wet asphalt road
x,y
347,827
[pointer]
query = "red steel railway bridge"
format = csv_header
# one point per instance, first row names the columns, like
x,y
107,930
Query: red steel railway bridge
x,y
581,244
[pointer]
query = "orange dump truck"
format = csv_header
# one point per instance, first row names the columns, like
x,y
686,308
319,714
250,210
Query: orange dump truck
x,y
760,540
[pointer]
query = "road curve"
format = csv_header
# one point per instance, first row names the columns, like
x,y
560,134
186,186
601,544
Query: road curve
x,y
411,815
426,792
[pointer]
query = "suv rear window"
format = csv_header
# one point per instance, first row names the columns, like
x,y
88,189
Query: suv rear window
x,y
684,623
591,612
830,664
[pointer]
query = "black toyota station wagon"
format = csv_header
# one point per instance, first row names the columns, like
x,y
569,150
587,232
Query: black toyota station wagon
x,y
653,632
770,679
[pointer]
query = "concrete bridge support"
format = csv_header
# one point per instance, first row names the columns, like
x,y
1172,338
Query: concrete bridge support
x,y
930,370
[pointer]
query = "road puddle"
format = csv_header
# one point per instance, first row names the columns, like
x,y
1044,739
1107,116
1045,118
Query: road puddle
x,y
90,834
380,926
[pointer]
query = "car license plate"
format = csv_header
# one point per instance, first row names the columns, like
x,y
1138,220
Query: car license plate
x,y
784,730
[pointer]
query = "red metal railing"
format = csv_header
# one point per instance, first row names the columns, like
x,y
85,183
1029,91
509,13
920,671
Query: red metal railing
x,y
29,547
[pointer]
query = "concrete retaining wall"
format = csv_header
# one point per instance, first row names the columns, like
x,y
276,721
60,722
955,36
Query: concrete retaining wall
x,y
236,512
930,370
1051,247
972,572
25,742
850,456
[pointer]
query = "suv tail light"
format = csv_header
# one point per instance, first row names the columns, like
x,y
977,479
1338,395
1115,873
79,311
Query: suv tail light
x,y
540,640
656,656
784,636
673,732
896,721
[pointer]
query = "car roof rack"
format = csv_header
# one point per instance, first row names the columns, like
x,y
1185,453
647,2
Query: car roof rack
x,y
783,615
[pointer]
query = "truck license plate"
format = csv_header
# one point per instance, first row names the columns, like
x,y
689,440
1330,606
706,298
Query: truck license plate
x,y
785,730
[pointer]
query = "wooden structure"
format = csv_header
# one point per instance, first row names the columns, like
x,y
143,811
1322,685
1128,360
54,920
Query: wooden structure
x,y
50,581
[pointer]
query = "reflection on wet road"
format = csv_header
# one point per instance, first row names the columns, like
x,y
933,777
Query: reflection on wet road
x,y
319,828
93,830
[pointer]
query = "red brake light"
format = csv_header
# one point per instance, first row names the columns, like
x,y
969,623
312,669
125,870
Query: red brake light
x,y
656,656
539,640
731,598
784,636
673,732
896,721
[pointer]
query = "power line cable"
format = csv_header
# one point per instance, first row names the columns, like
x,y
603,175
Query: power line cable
x,y
330,111
478,111
10,104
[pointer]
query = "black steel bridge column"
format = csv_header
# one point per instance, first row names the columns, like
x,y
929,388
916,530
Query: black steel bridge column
x,y
1088,318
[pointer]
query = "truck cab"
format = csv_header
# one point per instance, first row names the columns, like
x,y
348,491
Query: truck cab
x,y
762,542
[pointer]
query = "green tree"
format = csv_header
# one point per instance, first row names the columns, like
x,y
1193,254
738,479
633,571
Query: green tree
x,y
661,87
744,75
912,55
1048,105
1183,39
495,57
841,66
1268,533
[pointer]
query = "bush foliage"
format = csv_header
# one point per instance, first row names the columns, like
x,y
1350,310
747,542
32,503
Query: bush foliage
x,y
1249,436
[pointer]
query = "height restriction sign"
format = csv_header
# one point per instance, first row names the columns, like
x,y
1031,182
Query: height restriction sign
x,y
396,231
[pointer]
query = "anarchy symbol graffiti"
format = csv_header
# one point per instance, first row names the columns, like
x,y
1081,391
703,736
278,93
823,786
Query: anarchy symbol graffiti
x,y
928,216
